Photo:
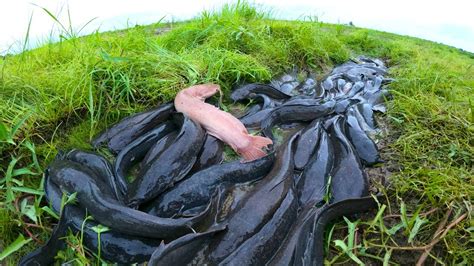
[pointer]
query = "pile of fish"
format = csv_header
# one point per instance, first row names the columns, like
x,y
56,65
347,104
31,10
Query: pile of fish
x,y
186,205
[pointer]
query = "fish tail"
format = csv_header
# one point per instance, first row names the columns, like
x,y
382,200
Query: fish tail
x,y
254,150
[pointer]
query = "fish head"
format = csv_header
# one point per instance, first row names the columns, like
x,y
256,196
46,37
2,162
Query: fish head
x,y
204,91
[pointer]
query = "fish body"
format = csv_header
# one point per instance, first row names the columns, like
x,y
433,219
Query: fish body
x,y
256,119
197,190
72,178
342,105
348,179
267,102
312,186
128,129
246,91
115,246
297,236
45,254
364,146
329,213
138,148
307,144
158,148
219,124
259,248
298,110
256,209
173,165
102,168
367,113
182,251
212,152
308,86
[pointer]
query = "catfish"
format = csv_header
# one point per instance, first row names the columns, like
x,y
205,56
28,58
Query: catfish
x,y
312,186
218,123
115,246
73,178
182,251
297,236
327,214
245,92
211,153
307,144
259,248
138,148
130,128
195,191
298,110
157,149
257,208
364,146
348,178
171,166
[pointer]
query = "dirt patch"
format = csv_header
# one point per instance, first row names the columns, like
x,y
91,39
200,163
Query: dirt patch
x,y
379,175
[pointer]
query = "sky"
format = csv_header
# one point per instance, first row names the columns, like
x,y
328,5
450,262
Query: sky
x,y
448,22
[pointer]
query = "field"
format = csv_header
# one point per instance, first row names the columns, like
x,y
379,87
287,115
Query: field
x,y
60,95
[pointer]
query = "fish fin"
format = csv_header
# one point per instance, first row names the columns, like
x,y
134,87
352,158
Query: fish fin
x,y
254,150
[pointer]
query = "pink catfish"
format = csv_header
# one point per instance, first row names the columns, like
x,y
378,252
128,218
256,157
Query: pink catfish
x,y
219,124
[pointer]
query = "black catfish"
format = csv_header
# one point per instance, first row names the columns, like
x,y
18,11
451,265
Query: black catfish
x,y
365,109
259,248
131,127
312,186
364,146
307,144
183,250
115,246
285,254
308,86
304,244
158,148
343,104
256,119
212,152
195,191
348,179
137,149
100,166
298,110
73,178
363,123
287,82
52,193
358,87
327,214
172,165
375,97
257,208
45,254
246,91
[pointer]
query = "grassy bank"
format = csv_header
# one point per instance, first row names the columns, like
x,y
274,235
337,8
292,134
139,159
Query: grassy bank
x,y
60,95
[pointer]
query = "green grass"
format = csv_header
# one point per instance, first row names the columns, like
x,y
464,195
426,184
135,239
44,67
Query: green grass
x,y
62,94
